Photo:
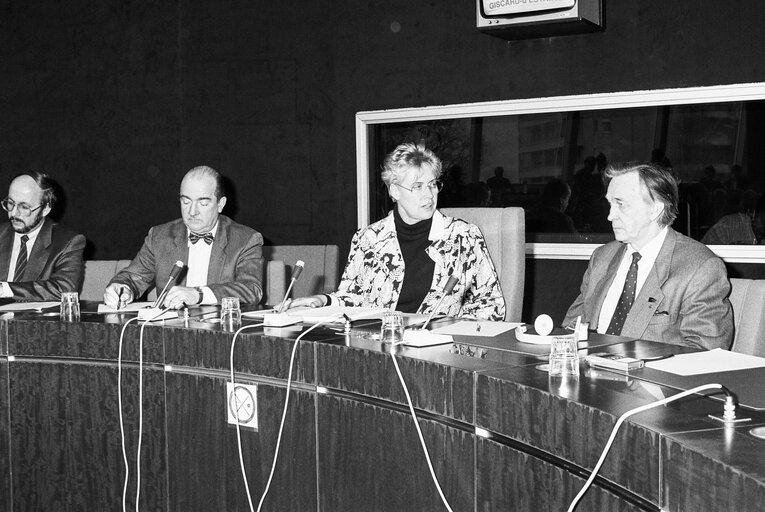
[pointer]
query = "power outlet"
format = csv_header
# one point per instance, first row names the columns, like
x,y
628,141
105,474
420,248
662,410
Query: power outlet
x,y
242,404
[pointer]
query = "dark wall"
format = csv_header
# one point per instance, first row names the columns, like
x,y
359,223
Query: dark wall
x,y
117,99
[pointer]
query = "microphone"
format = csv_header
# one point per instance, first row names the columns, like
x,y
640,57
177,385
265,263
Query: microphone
x,y
424,338
170,280
450,284
278,318
296,271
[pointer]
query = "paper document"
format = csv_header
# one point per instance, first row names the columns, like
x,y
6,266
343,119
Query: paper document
x,y
28,306
335,313
129,308
477,328
707,361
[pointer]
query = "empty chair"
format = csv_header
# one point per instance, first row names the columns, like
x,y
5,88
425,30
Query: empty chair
x,y
747,297
504,231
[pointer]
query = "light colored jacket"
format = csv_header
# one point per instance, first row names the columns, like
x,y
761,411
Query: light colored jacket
x,y
375,271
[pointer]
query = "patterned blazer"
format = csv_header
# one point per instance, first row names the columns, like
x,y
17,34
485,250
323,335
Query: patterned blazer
x,y
375,271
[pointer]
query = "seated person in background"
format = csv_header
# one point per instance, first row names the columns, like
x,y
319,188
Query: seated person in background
x,y
403,261
652,282
39,259
223,258
736,228
548,216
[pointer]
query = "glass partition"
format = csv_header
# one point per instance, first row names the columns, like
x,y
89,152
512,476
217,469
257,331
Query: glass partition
x,y
546,155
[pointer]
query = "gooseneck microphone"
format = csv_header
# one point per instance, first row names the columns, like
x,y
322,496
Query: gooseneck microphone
x,y
450,284
174,273
296,271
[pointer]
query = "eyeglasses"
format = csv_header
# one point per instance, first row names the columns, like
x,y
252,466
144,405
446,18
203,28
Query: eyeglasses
x,y
24,209
418,187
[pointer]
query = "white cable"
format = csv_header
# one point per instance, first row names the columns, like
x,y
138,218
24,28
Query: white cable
x,y
122,425
618,424
419,433
286,403
236,417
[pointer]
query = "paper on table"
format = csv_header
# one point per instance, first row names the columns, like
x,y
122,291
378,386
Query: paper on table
x,y
335,313
477,328
28,306
707,361
128,308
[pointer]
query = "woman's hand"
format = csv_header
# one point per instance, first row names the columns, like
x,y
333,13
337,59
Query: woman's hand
x,y
312,301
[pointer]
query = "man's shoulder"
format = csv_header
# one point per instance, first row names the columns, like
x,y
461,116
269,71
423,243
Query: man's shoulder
x,y
688,248
233,228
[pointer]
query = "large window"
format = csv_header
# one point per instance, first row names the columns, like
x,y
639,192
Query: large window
x,y
546,155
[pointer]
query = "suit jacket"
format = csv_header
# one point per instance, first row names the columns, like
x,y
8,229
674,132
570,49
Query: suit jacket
x,y
375,271
236,260
54,264
683,301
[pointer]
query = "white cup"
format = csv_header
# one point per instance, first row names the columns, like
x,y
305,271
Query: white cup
x,y
564,359
230,313
392,329
70,307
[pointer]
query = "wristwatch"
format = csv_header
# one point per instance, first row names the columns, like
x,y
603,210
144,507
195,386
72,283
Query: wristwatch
x,y
201,294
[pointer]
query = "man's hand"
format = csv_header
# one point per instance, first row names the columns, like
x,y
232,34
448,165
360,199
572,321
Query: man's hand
x,y
117,295
180,296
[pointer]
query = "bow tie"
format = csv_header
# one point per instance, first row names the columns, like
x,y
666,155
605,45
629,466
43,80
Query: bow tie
x,y
195,237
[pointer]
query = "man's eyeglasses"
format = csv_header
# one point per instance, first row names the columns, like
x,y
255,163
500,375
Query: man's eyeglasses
x,y
24,209
418,187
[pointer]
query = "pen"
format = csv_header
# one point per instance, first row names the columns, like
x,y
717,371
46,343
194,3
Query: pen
x,y
119,299
657,358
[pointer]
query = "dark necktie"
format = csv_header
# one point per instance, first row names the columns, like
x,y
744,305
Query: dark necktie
x,y
626,299
196,237
21,261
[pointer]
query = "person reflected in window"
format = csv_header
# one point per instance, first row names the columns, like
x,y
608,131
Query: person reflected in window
x,y
549,216
499,186
403,261
737,228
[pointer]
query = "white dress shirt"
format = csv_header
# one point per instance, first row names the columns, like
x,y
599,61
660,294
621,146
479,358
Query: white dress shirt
x,y
5,289
648,256
198,265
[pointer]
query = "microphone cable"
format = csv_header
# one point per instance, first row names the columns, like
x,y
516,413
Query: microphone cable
x,y
419,431
140,410
236,400
286,403
626,415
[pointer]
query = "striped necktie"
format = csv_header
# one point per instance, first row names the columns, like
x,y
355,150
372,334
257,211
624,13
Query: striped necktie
x,y
626,299
21,261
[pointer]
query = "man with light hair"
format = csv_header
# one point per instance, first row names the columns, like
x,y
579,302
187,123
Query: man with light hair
x,y
652,282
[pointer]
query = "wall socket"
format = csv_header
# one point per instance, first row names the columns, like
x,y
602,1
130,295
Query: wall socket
x,y
242,404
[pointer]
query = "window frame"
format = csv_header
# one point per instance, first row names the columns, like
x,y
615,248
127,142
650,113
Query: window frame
x,y
366,120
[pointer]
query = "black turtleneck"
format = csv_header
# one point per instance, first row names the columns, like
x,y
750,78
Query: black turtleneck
x,y
419,268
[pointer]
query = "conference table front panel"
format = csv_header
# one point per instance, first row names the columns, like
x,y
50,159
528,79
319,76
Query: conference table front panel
x,y
349,441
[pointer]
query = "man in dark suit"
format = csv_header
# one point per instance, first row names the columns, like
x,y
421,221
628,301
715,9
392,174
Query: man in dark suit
x,y
39,259
222,258
652,282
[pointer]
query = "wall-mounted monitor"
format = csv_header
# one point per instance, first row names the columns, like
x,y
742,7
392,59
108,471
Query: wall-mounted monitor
x,y
527,19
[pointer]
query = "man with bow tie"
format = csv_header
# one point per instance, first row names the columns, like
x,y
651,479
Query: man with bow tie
x,y
223,258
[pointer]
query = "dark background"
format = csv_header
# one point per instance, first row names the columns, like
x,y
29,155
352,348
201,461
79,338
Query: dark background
x,y
117,99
